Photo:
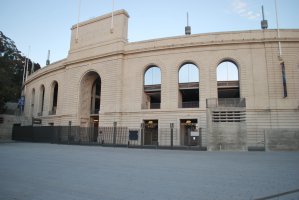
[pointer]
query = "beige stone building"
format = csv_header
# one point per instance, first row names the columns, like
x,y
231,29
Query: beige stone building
x,y
107,79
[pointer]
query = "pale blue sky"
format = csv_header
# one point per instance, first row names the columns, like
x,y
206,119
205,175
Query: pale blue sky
x,y
44,25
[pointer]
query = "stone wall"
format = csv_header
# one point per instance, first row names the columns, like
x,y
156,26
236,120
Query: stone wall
x,y
6,127
284,139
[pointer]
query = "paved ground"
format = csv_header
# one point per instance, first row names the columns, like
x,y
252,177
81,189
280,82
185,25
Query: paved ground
x,y
49,171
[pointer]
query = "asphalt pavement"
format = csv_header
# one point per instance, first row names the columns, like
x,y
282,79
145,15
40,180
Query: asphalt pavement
x,y
70,172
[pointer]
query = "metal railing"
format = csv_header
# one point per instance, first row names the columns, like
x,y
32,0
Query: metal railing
x,y
105,136
151,88
225,102
190,104
151,106
228,84
190,85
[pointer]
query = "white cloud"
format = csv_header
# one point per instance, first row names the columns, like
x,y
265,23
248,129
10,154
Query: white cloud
x,y
241,8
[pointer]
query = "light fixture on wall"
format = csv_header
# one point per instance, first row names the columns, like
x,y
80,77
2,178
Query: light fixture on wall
x,y
150,124
188,122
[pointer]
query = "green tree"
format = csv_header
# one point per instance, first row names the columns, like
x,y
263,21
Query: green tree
x,y
11,71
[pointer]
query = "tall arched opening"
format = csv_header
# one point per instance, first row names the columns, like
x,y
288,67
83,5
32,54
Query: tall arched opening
x,y
41,100
152,88
188,86
90,99
228,80
32,102
54,98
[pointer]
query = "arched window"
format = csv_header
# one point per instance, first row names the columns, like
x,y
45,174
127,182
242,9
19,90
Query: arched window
x,y
188,86
41,100
152,76
228,80
32,101
54,98
96,96
188,73
227,71
152,88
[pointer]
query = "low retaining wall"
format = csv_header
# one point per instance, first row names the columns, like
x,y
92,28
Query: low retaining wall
x,y
282,139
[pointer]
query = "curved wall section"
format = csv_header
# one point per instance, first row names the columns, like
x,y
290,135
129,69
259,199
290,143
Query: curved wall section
x,y
121,67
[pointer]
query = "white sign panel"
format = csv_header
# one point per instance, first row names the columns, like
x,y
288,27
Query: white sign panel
x,y
194,133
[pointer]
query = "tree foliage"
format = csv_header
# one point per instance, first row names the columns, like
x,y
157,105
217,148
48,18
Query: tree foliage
x,y
12,64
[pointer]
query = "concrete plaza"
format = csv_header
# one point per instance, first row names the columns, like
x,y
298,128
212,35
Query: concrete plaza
x,y
49,171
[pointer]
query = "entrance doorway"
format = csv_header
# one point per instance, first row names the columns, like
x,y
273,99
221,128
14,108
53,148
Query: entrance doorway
x,y
151,132
189,133
94,128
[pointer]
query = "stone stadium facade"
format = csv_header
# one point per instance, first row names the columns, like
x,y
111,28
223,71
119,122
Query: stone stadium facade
x,y
174,82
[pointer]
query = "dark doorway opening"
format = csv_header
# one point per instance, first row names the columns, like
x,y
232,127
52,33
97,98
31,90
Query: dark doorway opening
x,y
189,132
94,128
151,132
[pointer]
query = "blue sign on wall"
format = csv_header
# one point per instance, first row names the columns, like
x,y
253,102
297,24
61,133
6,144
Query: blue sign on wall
x,y
21,101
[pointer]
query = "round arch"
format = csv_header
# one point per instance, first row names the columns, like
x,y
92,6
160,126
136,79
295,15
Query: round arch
x,y
89,98
41,99
53,98
229,59
152,75
32,101
187,62
236,60
188,72
152,80
227,70
228,75
188,82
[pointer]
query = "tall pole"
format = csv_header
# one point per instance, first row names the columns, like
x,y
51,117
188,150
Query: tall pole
x,y
77,31
112,18
32,68
171,134
142,126
27,63
114,133
278,33
24,71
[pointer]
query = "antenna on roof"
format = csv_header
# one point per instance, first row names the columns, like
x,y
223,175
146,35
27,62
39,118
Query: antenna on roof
x,y
77,28
264,23
112,18
278,33
48,60
187,28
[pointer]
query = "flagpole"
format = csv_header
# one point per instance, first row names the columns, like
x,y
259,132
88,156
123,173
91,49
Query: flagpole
x,y
24,69
27,64
112,18
278,33
77,31
32,68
